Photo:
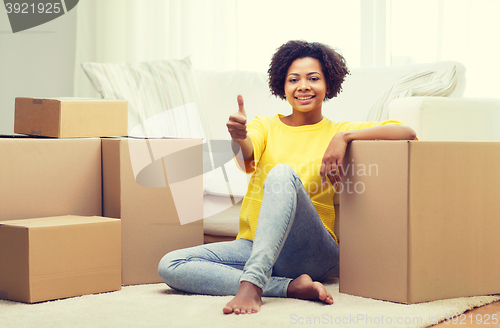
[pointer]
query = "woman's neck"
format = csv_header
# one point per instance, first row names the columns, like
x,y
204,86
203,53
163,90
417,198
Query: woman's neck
x,y
300,118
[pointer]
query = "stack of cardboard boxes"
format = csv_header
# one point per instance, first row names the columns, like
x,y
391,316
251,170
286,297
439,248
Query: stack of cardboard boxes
x,y
73,219
420,220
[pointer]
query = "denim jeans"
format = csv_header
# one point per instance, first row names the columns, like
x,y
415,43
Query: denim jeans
x,y
290,240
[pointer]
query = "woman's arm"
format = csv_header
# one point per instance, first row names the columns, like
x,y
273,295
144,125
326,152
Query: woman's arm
x,y
241,144
383,132
243,151
331,166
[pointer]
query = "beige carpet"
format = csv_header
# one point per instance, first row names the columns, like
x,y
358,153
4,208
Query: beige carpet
x,y
157,305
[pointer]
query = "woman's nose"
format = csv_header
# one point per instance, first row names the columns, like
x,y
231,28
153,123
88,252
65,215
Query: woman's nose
x,y
304,85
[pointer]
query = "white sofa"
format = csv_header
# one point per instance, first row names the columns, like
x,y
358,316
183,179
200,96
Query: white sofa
x,y
168,98
433,118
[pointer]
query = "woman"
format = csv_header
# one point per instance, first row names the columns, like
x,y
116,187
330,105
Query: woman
x,y
286,245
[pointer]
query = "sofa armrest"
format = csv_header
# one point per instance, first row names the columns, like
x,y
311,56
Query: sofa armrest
x,y
449,119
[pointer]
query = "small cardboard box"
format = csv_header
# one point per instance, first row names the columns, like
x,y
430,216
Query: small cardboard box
x,y
57,257
155,186
71,117
420,220
41,177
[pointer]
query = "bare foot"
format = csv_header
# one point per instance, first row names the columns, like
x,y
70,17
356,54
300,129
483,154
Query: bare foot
x,y
305,288
248,299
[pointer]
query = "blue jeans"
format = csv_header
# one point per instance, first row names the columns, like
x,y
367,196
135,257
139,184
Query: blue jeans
x,y
290,240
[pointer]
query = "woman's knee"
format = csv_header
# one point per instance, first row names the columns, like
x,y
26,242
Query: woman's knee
x,y
280,176
168,265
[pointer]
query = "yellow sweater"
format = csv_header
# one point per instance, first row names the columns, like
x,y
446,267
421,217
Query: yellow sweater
x,y
301,147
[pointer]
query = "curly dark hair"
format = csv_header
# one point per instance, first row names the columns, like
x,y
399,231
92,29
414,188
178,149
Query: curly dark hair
x,y
332,63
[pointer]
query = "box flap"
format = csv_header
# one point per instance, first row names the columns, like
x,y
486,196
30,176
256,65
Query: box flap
x,y
55,221
73,99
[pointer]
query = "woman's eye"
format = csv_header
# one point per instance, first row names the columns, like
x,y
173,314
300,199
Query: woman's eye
x,y
314,78
292,80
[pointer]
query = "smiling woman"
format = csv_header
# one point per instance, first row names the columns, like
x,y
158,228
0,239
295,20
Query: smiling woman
x,y
286,245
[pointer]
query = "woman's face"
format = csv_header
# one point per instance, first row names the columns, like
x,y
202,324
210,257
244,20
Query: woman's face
x,y
305,85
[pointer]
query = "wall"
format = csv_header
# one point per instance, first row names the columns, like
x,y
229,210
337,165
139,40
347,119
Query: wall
x,y
38,62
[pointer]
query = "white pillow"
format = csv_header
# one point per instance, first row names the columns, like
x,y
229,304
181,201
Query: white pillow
x,y
163,96
423,83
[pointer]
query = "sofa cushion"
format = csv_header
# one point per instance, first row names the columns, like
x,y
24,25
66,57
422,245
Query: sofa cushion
x,y
439,80
449,119
163,96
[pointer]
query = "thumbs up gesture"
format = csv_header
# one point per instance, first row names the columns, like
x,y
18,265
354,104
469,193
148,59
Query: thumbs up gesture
x,y
237,123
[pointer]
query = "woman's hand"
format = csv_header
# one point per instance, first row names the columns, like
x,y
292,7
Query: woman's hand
x,y
331,164
237,123
242,144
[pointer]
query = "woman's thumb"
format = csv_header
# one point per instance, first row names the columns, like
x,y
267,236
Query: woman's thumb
x,y
241,107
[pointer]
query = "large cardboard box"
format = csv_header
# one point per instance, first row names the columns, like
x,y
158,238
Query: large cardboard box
x,y
153,185
71,117
57,257
421,220
42,177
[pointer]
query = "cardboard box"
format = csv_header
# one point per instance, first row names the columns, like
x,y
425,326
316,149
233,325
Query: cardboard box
x,y
42,177
71,117
421,222
152,197
58,257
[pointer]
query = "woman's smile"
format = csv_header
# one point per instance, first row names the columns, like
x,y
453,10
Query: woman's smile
x,y
304,99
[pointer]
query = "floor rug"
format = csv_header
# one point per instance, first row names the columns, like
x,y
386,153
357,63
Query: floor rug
x,y
157,305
